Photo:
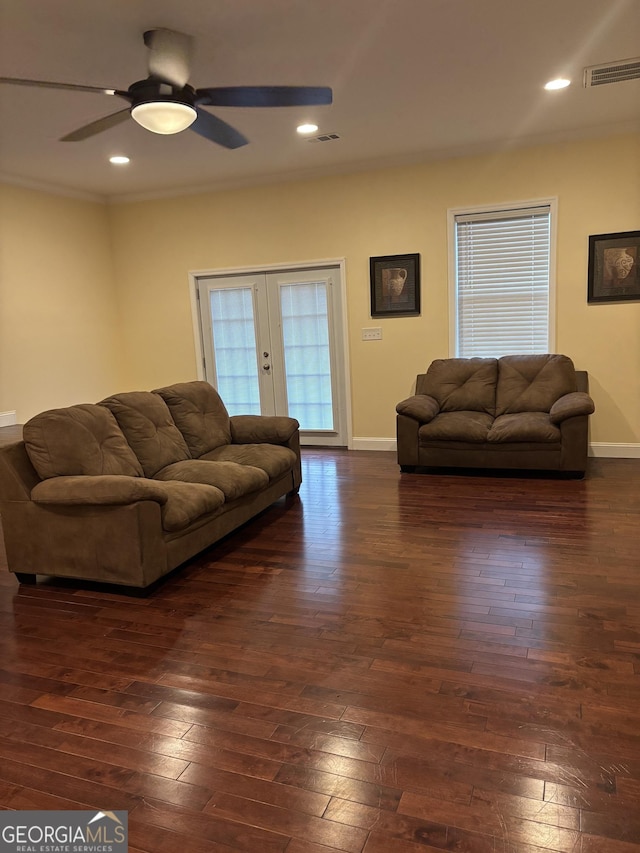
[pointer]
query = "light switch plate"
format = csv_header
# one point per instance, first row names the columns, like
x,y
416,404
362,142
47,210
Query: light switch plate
x,y
372,333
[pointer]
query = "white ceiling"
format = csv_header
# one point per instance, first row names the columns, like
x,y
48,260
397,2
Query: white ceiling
x,y
412,79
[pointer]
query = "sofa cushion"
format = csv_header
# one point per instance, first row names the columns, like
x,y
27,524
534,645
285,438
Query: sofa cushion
x,y
232,479
533,383
524,426
272,458
461,384
83,439
148,426
186,502
199,414
457,426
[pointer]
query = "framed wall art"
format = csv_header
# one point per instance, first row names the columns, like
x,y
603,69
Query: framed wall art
x,y
614,267
395,285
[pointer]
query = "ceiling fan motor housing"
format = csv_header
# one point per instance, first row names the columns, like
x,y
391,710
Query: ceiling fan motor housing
x,y
161,107
154,91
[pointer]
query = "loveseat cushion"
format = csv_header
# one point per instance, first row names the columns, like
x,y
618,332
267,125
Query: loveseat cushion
x,y
199,414
457,426
83,439
524,426
232,479
149,429
533,383
272,458
461,384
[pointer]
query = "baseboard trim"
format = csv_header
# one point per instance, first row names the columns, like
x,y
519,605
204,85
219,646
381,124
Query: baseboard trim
x,y
603,449
373,444
8,419
614,451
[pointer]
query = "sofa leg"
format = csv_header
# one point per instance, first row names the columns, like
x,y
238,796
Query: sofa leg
x,y
25,577
407,469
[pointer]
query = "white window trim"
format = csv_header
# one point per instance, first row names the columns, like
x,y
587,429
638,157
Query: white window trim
x,y
552,203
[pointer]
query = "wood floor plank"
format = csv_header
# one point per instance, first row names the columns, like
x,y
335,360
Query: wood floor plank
x,y
392,663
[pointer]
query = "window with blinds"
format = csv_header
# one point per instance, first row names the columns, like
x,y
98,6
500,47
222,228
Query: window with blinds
x,y
502,281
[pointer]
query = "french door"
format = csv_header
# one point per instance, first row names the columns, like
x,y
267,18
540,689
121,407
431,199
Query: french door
x,y
272,344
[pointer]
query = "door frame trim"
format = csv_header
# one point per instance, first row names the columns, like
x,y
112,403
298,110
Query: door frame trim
x,y
255,269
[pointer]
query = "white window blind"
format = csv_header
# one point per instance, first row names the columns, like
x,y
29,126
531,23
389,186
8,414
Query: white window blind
x,y
502,282
234,344
305,336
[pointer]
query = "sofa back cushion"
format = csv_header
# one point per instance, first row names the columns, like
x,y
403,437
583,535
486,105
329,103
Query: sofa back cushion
x,y
147,425
533,383
461,384
199,414
83,439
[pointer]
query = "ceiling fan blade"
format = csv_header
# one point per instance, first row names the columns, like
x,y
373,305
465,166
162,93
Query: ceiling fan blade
x,y
264,96
216,130
170,56
45,84
97,126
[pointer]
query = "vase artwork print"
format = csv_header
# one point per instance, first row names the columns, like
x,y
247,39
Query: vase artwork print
x,y
395,285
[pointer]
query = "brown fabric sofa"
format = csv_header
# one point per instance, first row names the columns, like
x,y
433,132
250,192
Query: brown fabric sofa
x,y
517,412
125,490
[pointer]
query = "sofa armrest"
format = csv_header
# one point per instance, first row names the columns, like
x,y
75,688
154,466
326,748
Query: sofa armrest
x,y
420,407
101,490
571,405
262,429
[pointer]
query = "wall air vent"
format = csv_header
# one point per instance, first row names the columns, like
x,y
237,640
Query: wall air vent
x,y
324,137
612,72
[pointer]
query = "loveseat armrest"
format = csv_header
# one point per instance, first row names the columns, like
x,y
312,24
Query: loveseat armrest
x,y
571,405
420,407
262,429
99,490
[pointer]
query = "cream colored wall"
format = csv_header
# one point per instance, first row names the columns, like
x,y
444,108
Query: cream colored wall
x,y
58,320
392,211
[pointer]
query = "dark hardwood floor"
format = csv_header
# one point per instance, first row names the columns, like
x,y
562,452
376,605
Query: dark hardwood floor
x,y
388,664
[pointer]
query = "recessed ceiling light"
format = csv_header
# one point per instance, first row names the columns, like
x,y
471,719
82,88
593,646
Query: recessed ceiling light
x,y
558,83
307,128
119,160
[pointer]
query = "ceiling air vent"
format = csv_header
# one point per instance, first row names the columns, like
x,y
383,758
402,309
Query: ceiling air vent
x,y
612,72
324,137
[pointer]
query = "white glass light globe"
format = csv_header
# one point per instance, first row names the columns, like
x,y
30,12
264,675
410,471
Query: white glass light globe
x,y
164,116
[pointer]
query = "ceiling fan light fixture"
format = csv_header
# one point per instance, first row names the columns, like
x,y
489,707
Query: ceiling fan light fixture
x,y
164,117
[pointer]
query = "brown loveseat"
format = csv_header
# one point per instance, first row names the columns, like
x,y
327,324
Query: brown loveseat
x,y
125,490
518,412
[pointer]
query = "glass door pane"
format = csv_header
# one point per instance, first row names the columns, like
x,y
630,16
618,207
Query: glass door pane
x,y
235,349
305,338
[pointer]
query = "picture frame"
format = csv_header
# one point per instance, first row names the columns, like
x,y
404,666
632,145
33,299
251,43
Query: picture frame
x,y
614,267
395,285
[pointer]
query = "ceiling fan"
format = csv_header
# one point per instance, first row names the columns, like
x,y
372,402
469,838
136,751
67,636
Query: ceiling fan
x,y
165,103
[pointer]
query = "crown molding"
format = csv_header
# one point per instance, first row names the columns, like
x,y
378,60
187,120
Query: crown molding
x,y
51,189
